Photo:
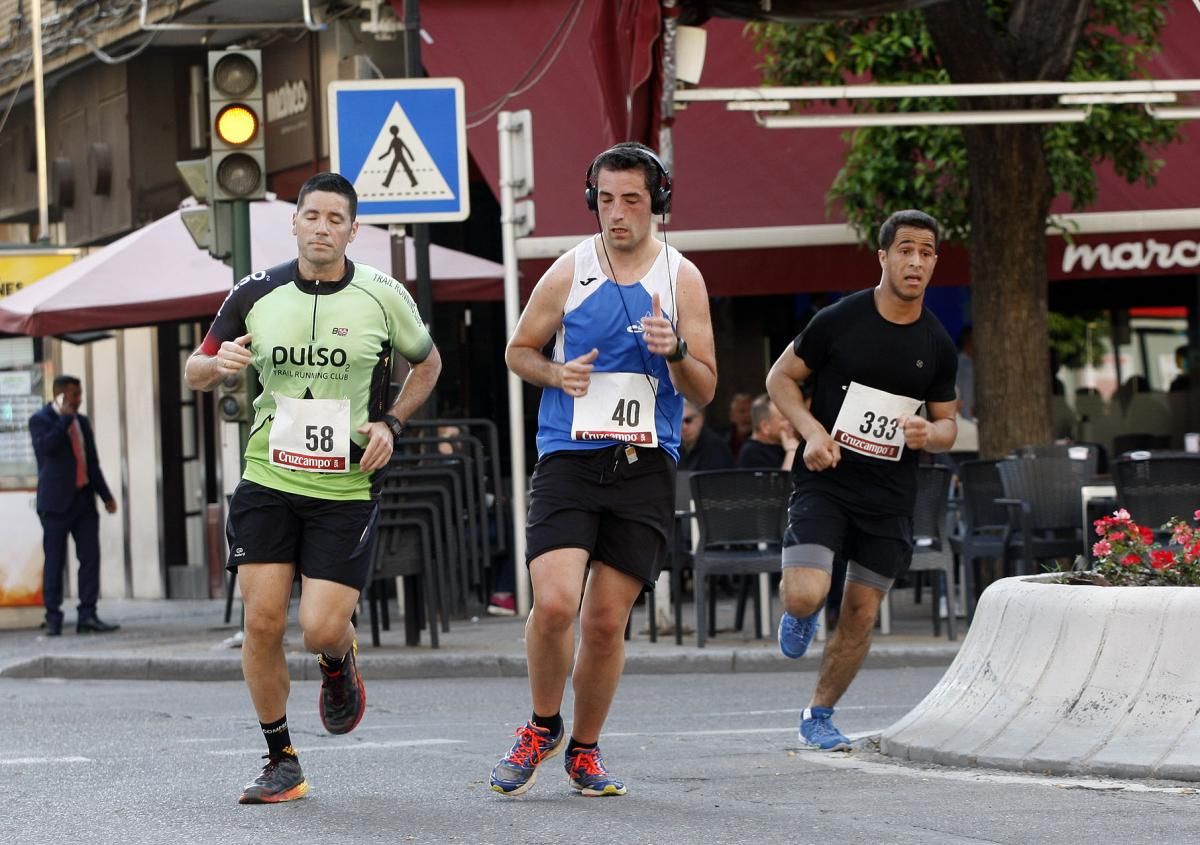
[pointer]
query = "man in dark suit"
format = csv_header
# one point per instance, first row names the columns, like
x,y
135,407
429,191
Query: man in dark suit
x,y
69,480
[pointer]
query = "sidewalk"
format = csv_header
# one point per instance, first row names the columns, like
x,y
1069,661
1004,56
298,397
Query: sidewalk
x,y
186,640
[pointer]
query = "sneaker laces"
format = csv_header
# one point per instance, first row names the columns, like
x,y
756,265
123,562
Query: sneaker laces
x,y
528,750
587,761
269,769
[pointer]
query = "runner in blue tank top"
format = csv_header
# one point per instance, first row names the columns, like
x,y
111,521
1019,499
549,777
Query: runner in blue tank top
x,y
632,338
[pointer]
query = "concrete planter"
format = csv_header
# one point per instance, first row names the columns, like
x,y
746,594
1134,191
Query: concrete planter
x,y
1070,680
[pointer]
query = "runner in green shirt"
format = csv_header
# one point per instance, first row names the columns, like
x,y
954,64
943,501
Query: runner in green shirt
x,y
322,333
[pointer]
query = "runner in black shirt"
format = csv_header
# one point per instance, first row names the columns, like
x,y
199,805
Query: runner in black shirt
x,y
875,358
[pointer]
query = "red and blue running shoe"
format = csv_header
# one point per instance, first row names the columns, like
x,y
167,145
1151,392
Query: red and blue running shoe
x,y
517,772
585,768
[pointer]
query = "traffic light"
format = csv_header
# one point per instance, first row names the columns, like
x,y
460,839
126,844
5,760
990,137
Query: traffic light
x,y
233,398
235,109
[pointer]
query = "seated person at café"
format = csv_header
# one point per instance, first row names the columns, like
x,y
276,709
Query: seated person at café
x,y
773,442
701,448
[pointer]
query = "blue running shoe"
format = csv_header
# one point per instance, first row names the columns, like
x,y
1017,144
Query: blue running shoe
x,y
817,730
516,773
585,768
795,634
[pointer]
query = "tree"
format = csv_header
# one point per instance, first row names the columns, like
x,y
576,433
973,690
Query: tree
x,y
990,186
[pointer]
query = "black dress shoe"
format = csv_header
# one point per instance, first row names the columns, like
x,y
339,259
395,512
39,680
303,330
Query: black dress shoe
x,y
94,626
53,629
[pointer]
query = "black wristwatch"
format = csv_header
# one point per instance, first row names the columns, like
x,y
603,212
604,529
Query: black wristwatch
x,y
395,425
680,350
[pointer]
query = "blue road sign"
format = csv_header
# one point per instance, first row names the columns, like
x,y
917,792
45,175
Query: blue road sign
x,y
403,145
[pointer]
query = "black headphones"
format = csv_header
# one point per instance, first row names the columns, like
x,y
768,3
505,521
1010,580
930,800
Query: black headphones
x,y
660,197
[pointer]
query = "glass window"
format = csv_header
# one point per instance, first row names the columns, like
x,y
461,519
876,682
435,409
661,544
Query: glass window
x,y
20,397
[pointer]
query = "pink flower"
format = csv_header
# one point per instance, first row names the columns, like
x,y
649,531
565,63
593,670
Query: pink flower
x,y
1101,527
1196,515
1131,559
1122,515
1162,559
1102,549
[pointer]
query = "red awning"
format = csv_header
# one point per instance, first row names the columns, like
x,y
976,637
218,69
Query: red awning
x,y
729,172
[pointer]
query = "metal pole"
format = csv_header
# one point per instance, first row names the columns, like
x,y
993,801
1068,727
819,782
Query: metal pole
x,y
399,256
516,405
413,70
240,261
39,120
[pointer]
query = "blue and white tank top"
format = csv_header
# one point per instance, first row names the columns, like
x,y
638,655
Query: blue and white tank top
x,y
631,398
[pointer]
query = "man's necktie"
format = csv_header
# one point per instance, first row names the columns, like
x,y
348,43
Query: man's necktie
x,y
81,477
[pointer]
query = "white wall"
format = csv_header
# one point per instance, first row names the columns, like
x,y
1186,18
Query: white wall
x,y
144,464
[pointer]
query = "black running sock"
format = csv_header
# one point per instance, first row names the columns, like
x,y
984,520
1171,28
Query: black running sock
x,y
279,741
333,665
551,723
574,745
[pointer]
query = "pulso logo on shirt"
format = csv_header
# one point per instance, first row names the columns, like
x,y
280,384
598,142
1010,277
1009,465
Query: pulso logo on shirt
x,y
308,356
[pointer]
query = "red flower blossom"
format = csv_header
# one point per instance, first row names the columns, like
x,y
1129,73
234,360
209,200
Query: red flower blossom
x,y
1131,559
1162,559
1147,534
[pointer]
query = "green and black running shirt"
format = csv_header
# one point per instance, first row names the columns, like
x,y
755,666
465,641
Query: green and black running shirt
x,y
323,351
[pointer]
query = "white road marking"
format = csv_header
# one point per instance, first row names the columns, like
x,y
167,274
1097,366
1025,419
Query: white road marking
x,y
358,746
727,732
42,761
795,711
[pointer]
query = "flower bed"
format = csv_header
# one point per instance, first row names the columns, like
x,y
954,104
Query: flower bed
x,y
1128,555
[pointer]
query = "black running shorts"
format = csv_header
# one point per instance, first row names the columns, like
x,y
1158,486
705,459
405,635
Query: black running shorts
x,y
329,540
620,512
882,544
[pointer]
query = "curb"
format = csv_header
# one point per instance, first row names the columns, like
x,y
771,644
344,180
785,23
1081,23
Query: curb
x,y
433,666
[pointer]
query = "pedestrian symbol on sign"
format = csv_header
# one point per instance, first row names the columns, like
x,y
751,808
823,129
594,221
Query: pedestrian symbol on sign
x,y
398,151
399,146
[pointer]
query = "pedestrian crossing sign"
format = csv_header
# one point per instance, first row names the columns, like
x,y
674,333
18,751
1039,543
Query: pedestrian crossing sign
x,y
402,143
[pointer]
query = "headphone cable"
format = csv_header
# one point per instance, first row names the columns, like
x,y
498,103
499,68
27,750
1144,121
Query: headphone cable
x,y
629,318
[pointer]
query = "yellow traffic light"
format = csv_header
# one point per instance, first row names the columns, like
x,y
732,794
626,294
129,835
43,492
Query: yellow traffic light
x,y
236,125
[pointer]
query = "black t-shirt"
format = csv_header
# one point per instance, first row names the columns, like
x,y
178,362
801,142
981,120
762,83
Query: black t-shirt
x,y
851,342
756,455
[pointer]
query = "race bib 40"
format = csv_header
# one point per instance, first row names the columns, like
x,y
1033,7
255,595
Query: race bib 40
x,y
618,406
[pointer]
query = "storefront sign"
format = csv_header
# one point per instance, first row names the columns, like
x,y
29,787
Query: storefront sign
x,y
1130,255
21,268
288,91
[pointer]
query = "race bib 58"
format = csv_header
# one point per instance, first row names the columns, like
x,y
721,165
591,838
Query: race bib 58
x,y
312,435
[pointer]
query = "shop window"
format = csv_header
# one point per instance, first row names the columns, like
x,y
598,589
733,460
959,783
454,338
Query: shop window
x,y
20,397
